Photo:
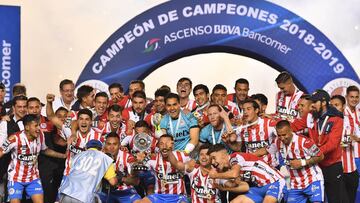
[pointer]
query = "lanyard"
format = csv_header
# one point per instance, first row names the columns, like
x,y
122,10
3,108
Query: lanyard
x,y
320,130
161,160
32,149
204,180
177,125
248,125
213,134
203,106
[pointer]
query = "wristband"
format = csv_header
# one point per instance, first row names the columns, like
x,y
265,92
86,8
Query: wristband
x,y
303,162
189,148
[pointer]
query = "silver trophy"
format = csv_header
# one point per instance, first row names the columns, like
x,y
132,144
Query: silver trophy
x,y
142,143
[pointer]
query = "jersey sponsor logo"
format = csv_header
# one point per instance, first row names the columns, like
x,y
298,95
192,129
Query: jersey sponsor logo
x,y
284,110
263,168
76,150
314,150
201,190
181,134
252,146
248,177
170,177
26,157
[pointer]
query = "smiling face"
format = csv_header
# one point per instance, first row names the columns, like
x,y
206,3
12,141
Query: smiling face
x,y
183,88
173,107
250,113
34,107
241,91
166,145
286,87
116,94
112,146
114,118
352,99
220,160
284,134
204,158
214,116
20,109
33,129
84,122
304,106
159,104
67,93
219,97
201,97
101,104
139,104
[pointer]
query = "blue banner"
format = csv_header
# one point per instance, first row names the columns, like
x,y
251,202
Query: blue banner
x,y
257,29
10,47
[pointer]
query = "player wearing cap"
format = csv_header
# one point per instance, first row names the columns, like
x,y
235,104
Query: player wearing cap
x,y
325,125
266,183
301,156
25,147
88,169
183,127
287,98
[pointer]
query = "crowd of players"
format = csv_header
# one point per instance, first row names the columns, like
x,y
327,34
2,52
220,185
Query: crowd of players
x,y
219,147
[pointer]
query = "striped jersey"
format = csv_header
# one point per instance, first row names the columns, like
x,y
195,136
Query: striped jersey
x,y
355,116
300,147
24,154
253,170
202,190
79,146
287,106
167,179
123,164
259,135
347,152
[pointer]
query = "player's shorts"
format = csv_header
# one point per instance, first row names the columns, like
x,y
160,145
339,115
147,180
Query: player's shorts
x,y
168,198
276,189
123,196
314,192
15,189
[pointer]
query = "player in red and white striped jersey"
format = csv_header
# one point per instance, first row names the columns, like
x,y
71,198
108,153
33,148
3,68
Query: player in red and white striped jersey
x,y
83,135
257,133
266,183
288,98
203,189
218,96
301,156
25,147
125,192
241,93
169,184
352,110
183,88
351,176
114,123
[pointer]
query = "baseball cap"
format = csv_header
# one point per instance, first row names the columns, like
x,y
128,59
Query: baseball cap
x,y
320,95
94,144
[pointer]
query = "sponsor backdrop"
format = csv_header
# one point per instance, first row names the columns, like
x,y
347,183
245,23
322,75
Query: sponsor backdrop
x,y
257,29
9,47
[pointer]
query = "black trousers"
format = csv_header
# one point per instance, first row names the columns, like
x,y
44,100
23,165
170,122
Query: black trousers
x,y
334,183
351,183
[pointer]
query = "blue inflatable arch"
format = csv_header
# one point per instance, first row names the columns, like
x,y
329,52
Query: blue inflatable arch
x,y
258,29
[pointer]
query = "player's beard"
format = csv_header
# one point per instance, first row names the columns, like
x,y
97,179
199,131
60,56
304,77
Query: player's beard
x,y
317,114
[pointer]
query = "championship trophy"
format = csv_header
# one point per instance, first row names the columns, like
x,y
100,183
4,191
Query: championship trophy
x,y
141,144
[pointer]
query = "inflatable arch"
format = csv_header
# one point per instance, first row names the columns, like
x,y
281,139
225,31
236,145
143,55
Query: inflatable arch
x,y
258,29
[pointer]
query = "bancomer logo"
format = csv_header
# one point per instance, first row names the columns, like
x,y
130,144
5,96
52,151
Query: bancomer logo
x,y
151,45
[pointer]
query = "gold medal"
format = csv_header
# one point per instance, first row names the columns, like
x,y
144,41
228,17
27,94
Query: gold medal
x,y
163,182
208,196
